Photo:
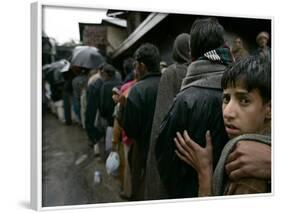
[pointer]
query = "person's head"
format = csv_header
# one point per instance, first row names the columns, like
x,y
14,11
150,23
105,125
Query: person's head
x,y
79,70
163,66
116,93
147,59
205,35
181,48
262,39
247,96
237,43
108,72
136,72
128,65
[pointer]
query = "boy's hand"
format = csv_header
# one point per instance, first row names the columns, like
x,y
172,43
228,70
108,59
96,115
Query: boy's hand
x,y
193,154
249,159
201,159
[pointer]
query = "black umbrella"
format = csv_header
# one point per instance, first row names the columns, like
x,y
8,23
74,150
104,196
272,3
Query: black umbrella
x,y
57,66
53,72
87,57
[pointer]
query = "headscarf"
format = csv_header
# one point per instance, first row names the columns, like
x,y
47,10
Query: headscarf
x,y
181,49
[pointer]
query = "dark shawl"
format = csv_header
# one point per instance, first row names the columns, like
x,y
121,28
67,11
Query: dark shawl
x,y
197,108
139,112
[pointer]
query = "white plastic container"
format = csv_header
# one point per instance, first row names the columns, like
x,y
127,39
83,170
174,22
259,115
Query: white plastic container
x,y
97,178
60,110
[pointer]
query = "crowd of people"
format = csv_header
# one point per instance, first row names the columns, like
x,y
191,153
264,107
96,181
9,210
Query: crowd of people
x,y
198,127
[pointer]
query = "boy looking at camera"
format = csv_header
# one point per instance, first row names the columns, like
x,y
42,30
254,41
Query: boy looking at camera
x,y
247,118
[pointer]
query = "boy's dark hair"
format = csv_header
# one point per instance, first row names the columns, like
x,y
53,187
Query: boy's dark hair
x,y
205,35
150,56
254,72
109,70
128,65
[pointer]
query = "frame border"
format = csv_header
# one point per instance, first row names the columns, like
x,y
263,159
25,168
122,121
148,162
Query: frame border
x,y
36,105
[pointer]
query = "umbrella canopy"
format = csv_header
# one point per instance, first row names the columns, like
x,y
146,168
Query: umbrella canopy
x,y
87,57
57,66
53,72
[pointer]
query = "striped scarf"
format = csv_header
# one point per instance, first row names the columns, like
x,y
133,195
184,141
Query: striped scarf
x,y
221,55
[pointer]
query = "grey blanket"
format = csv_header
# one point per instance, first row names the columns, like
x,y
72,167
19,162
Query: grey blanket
x,y
219,177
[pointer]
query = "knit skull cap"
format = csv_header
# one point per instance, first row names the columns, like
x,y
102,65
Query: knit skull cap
x,y
262,34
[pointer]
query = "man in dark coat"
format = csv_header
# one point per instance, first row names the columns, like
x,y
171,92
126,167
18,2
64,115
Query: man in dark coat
x,y
107,104
197,108
93,101
67,95
78,83
139,112
169,86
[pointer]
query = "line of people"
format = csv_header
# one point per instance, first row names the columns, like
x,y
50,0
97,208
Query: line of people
x,y
175,134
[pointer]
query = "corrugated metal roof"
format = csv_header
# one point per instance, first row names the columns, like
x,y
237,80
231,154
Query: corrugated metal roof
x,y
116,21
151,21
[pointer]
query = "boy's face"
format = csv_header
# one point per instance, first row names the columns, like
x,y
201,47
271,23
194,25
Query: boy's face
x,y
244,111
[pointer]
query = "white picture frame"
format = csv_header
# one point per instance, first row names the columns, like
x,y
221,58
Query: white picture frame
x,y
36,115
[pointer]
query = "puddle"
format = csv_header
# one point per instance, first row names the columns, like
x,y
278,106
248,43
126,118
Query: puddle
x,y
57,154
81,159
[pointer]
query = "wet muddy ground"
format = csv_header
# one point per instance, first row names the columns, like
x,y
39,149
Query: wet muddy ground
x,y
69,165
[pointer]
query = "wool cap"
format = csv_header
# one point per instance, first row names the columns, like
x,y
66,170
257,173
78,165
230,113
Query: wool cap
x,y
262,34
